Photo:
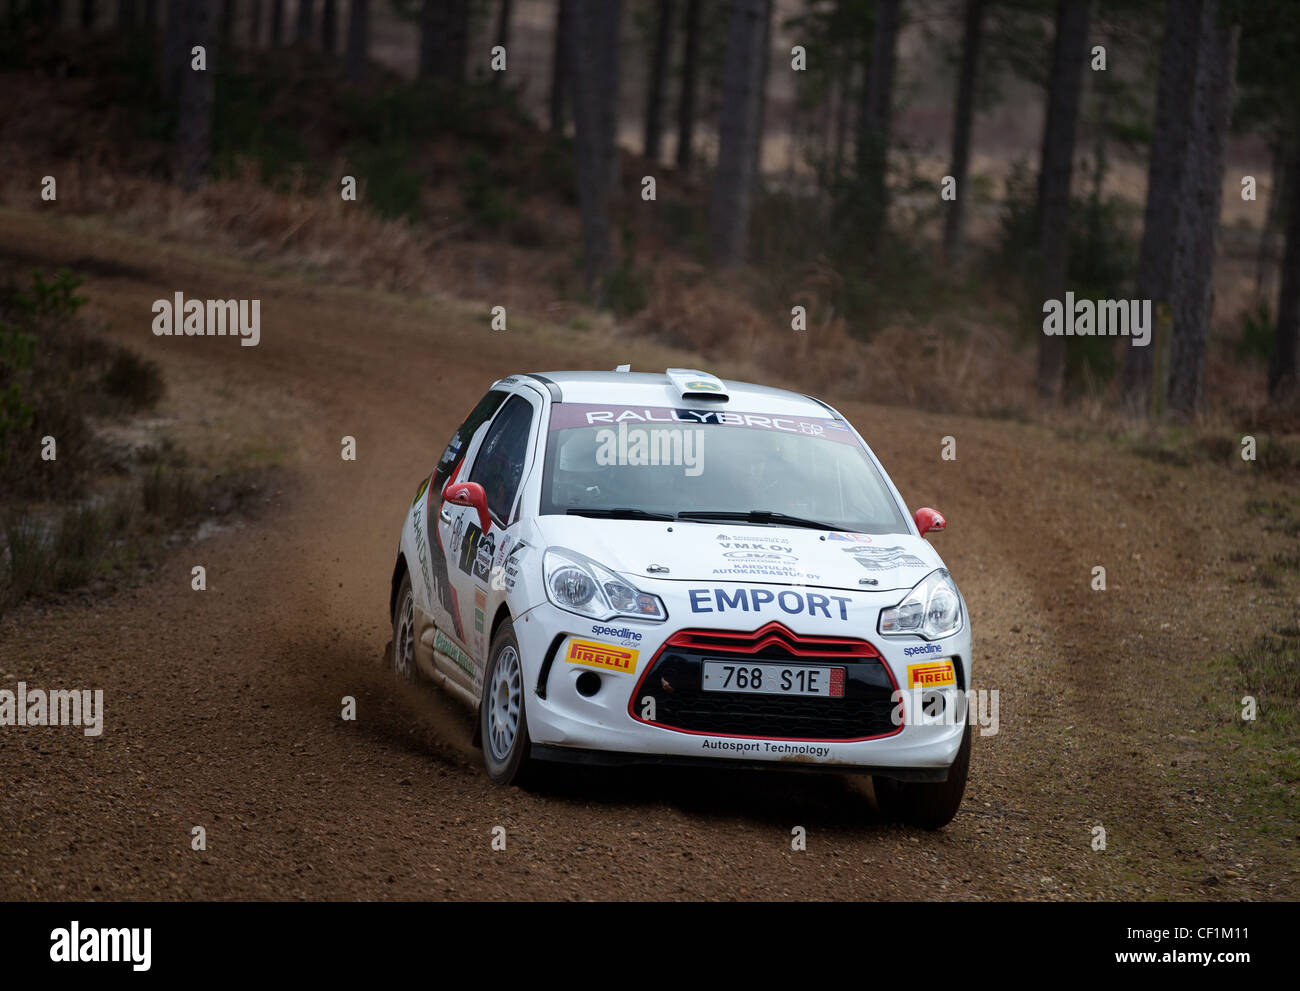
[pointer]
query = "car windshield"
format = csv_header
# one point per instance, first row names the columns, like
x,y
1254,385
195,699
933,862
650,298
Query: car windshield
x,y
633,461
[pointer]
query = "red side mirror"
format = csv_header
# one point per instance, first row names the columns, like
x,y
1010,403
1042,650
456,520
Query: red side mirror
x,y
928,520
470,494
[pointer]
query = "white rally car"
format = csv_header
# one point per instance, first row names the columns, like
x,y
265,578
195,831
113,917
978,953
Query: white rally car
x,y
619,567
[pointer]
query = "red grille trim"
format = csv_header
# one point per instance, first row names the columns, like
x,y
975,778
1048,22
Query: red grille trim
x,y
773,634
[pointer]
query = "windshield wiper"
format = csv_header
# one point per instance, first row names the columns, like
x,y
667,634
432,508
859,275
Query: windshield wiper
x,y
757,516
626,513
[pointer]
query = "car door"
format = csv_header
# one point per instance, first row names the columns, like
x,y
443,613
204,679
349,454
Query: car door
x,y
497,462
441,604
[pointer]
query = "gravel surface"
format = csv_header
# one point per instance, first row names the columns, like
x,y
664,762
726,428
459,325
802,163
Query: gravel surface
x,y
223,707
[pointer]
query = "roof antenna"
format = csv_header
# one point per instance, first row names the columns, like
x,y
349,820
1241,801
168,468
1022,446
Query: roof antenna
x,y
623,368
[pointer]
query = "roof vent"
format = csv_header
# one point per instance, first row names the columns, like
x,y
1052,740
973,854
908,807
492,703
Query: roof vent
x,y
623,368
691,383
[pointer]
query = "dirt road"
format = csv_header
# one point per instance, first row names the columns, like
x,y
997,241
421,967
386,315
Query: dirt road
x,y
223,706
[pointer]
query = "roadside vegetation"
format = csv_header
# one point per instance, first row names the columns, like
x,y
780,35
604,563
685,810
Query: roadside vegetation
x,y
77,509
1263,777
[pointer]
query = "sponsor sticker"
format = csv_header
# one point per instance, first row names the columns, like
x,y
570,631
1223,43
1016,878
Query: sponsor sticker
x,y
929,648
766,747
443,645
475,552
565,416
720,600
884,558
602,655
617,632
934,674
424,487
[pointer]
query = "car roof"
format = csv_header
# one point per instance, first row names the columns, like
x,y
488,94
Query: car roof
x,y
656,389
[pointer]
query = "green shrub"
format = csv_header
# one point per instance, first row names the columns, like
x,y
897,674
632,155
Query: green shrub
x,y
1257,333
135,380
27,565
80,542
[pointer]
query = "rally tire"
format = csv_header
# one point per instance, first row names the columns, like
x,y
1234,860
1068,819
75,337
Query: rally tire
x,y
401,657
926,804
503,721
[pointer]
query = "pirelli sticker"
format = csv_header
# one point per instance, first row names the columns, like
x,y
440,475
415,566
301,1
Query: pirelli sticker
x,y
931,674
602,655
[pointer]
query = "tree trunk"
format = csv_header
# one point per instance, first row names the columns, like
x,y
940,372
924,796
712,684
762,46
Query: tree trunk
x,y
277,23
176,47
764,70
444,39
503,38
1273,216
954,226
734,179
842,126
88,13
658,71
690,74
1202,195
1283,374
592,46
306,15
560,67
194,132
358,38
874,119
329,27
1056,164
1165,169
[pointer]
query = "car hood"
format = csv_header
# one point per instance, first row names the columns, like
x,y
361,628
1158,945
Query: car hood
x,y
729,552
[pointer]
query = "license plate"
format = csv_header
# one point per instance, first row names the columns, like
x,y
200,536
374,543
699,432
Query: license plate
x,y
773,679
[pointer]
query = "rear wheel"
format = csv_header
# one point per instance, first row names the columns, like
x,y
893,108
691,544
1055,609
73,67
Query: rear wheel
x,y
927,804
503,723
402,658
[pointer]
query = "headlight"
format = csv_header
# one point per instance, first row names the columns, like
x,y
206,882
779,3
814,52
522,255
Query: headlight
x,y
578,584
931,610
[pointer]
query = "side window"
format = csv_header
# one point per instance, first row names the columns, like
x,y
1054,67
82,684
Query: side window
x,y
499,464
459,443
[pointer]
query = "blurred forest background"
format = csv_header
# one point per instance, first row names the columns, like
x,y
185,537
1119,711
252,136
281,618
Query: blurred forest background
x,y
798,150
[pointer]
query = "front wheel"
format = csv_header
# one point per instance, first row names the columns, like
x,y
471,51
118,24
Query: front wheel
x,y
503,723
927,804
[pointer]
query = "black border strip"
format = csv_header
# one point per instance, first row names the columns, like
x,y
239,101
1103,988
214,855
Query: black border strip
x,y
556,395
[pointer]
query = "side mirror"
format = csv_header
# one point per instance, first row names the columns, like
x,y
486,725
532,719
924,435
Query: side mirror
x,y
928,520
470,494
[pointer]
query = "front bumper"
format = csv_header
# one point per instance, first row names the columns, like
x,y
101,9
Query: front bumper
x,y
612,725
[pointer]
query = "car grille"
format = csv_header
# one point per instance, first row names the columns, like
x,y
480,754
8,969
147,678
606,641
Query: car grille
x,y
673,680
